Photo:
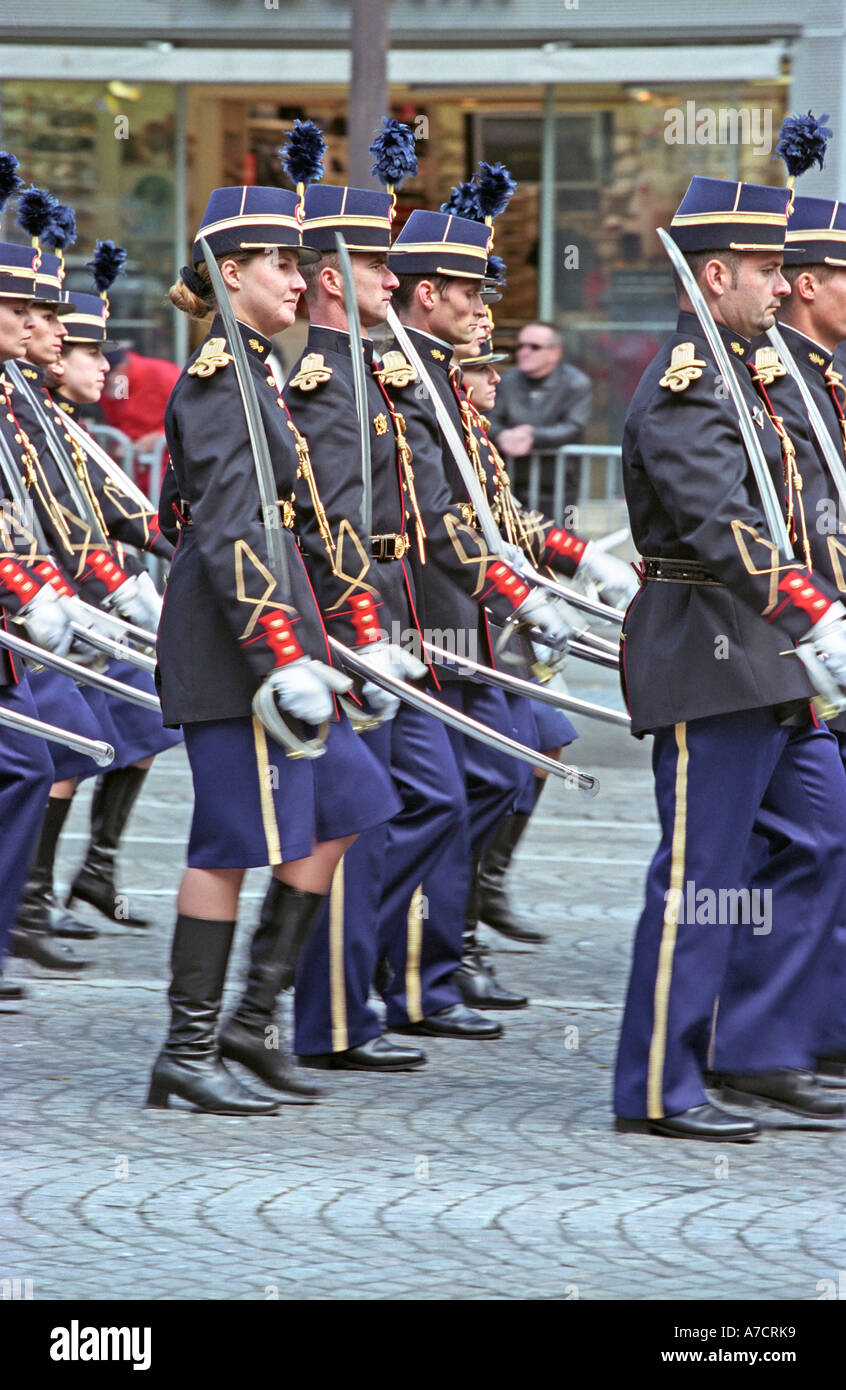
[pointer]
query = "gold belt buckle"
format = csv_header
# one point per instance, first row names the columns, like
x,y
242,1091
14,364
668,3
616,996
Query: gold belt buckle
x,y
401,545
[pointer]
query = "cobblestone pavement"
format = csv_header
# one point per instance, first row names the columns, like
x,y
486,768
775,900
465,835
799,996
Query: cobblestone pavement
x,y
491,1173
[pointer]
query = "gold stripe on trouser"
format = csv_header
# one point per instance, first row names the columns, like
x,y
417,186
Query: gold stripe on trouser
x,y
337,973
414,944
268,810
664,976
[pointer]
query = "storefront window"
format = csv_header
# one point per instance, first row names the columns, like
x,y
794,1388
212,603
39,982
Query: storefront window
x,y
109,151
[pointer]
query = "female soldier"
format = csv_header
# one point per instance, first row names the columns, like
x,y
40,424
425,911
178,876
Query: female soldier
x,y
227,628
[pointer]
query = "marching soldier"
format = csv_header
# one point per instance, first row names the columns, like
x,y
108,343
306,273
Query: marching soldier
x,y
735,744
230,631
383,872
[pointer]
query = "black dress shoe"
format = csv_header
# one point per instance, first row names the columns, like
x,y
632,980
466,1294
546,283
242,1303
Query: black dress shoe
x,y
787,1089
481,989
456,1021
376,1055
700,1122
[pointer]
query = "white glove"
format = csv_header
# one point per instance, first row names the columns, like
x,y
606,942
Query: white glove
x,y
555,622
614,579
130,601
828,640
304,687
154,599
389,660
47,622
517,559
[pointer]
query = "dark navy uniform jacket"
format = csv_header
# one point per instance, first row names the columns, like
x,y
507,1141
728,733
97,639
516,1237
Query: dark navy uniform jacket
x,y
460,576
321,399
712,643
225,623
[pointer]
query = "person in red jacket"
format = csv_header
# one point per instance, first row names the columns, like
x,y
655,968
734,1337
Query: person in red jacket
x,y
135,397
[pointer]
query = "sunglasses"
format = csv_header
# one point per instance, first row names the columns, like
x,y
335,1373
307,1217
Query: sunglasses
x,y
534,347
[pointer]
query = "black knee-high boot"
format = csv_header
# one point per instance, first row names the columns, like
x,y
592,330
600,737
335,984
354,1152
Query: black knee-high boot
x,y
475,978
189,1065
494,907
39,910
114,797
251,1035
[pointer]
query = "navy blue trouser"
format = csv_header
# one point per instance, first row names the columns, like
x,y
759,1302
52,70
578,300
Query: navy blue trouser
x,y
26,775
717,780
374,904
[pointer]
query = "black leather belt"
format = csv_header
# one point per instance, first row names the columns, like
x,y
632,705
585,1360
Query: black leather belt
x,y
678,572
389,547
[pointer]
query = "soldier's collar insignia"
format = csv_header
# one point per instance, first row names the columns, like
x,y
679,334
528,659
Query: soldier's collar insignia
x,y
255,345
66,407
816,359
738,348
312,373
768,365
684,368
27,371
396,370
380,423
437,354
212,355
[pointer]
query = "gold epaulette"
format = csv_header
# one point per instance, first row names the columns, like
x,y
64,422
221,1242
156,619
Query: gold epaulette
x,y
396,370
768,365
212,355
684,368
313,372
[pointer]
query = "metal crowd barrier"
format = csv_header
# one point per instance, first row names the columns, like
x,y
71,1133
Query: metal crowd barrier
x,y
145,467
596,492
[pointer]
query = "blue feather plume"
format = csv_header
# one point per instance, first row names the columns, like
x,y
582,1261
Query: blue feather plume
x,y
10,180
60,232
802,142
106,264
394,153
495,269
495,189
302,154
463,201
35,210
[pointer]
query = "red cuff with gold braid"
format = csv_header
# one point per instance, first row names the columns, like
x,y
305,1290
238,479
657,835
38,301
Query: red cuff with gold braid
x,y
155,530
48,574
560,541
280,637
15,579
364,620
103,567
799,591
504,581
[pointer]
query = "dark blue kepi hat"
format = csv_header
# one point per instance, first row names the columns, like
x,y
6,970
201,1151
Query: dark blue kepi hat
x,y
719,215
361,215
49,274
86,317
816,234
250,218
17,271
439,243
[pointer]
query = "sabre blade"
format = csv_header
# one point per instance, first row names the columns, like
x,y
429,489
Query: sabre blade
x,y
473,728
121,651
102,753
83,674
359,384
112,470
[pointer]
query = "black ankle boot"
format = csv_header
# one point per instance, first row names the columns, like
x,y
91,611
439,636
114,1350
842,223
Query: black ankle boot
x,y
39,910
475,977
188,1064
114,797
494,907
250,1036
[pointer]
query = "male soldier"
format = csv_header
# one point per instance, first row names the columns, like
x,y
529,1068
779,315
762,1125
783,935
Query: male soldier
x,y
812,321
735,743
379,883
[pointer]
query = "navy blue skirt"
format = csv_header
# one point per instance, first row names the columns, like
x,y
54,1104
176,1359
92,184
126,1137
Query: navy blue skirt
x,y
59,701
135,732
253,806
